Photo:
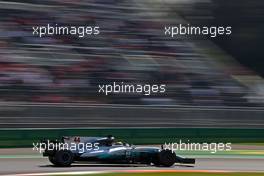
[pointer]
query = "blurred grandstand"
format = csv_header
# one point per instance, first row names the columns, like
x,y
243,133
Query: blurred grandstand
x,y
131,48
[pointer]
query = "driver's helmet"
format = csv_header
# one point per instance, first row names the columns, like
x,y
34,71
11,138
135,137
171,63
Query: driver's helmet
x,y
110,140
118,143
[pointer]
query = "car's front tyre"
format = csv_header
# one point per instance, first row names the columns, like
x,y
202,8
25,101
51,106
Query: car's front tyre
x,y
166,158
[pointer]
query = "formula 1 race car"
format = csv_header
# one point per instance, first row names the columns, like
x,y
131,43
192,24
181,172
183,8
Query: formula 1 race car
x,y
105,150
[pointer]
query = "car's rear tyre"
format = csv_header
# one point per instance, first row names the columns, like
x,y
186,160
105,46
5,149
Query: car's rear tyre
x,y
63,158
167,158
52,160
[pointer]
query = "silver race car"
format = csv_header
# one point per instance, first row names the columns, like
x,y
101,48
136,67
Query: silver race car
x,y
106,150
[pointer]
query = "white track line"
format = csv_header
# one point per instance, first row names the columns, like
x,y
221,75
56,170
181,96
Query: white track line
x,y
128,171
58,173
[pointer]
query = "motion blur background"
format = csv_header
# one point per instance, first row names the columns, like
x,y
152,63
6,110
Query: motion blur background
x,y
49,85
132,47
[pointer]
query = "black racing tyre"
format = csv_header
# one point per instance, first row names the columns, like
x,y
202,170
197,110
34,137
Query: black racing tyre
x,y
156,162
63,158
167,158
52,160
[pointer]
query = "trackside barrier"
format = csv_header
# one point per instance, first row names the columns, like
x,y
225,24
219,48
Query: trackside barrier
x,y
25,137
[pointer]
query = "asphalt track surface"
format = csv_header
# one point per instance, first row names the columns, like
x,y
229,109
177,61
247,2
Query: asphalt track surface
x,y
41,165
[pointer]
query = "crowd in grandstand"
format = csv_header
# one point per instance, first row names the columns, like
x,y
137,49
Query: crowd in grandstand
x,y
131,48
